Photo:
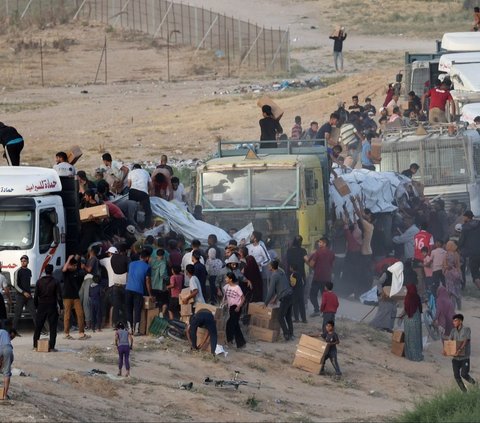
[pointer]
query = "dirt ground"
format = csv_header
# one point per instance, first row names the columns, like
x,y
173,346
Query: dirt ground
x,y
375,385
139,115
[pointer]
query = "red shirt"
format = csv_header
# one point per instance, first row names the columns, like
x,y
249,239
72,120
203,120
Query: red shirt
x,y
438,98
329,302
322,270
177,282
422,239
114,211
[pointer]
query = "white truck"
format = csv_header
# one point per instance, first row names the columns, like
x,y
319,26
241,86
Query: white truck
x,y
38,217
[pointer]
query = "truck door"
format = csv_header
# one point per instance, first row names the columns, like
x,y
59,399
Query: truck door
x,y
48,238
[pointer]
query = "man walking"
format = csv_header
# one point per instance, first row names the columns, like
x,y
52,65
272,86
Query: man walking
x,y
21,280
12,143
461,361
338,38
281,289
47,296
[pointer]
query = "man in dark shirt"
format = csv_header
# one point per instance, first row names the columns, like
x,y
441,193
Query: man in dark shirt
x,y
163,164
47,296
270,128
325,130
202,319
22,280
200,272
72,281
338,40
412,170
355,108
12,143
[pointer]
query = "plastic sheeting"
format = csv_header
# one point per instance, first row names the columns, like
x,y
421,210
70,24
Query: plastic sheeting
x,y
181,221
378,190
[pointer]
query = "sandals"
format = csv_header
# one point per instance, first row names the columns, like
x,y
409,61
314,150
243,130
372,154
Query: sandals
x,y
82,338
68,337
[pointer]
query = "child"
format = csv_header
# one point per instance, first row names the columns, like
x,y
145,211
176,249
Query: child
x,y
332,340
175,287
329,305
427,269
214,269
235,299
124,343
297,283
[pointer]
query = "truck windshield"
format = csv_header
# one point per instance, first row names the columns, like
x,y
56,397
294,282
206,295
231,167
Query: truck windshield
x,y
247,189
16,230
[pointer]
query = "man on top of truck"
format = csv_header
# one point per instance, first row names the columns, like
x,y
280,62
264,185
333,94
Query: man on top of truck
x,y
12,142
439,96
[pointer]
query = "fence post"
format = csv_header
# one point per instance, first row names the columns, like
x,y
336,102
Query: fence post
x,y
41,62
206,35
247,55
24,11
278,49
78,11
163,20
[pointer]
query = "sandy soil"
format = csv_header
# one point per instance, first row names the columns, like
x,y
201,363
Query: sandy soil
x,y
375,383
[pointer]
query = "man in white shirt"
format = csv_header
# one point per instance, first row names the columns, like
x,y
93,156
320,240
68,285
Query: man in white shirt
x,y
62,166
187,259
115,174
140,185
178,190
257,249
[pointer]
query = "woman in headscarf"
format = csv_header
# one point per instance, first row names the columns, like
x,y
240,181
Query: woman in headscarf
x,y
413,324
452,273
253,277
387,307
445,310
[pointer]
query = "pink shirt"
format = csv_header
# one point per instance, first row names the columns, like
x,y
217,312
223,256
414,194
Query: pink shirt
x,y
233,294
438,257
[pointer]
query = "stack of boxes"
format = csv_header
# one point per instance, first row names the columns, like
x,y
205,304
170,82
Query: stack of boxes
x,y
264,324
220,317
309,354
398,343
149,311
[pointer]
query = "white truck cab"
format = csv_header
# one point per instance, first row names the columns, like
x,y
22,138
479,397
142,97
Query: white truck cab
x,y
33,219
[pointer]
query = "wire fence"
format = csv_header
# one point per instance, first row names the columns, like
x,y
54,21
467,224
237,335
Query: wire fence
x,y
243,44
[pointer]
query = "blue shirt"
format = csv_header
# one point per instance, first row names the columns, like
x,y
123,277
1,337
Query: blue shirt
x,y
137,272
366,148
4,338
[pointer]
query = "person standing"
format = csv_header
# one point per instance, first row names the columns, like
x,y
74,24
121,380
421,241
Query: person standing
x,y
140,185
6,358
407,238
412,321
270,128
439,97
22,283
297,131
235,299
469,244
138,281
366,158
296,258
48,295
12,143
72,281
124,343
257,249
329,305
461,361
338,38
281,289
115,174
322,263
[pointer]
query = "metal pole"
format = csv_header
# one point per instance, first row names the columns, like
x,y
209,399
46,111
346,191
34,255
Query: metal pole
x,y
168,53
163,20
206,35
41,62
105,47
228,53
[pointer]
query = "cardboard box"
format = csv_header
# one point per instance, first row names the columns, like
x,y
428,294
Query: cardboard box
x,y
266,323
341,186
398,348
146,319
276,109
309,366
451,347
398,296
398,336
261,334
310,354
216,311
186,310
258,309
317,344
74,154
185,292
148,303
98,212
42,345
203,333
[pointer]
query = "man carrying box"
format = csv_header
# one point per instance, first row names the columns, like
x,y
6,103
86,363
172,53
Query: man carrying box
x,y
461,361
202,319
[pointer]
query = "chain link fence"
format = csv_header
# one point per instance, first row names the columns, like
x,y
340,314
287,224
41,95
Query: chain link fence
x,y
242,44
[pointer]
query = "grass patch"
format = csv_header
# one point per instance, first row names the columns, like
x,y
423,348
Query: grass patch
x,y
18,107
308,380
252,403
256,366
451,406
